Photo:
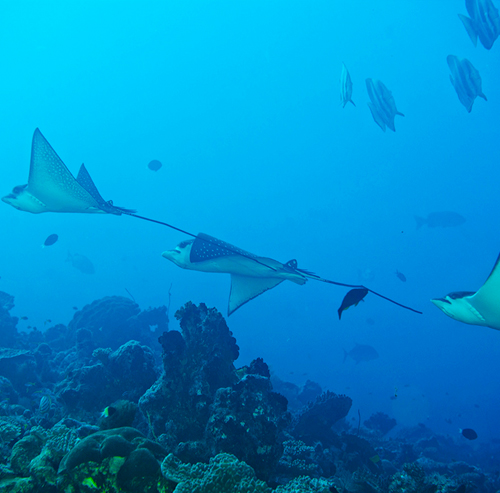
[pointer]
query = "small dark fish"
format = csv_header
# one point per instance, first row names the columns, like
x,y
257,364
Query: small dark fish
x,y
361,352
375,459
448,420
75,308
23,318
51,239
45,403
353,297
469,433
400,276
370,321
461,489
154,165
48,321
441,219
81,262
333,489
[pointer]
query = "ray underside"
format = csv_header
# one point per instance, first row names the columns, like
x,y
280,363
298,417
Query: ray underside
x,y
244,289
487,299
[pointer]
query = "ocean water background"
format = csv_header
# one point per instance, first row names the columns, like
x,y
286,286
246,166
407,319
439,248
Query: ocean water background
x,y
240,102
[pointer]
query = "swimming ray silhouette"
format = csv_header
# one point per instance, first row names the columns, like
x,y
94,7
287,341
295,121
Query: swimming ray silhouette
x,y
222,257
52,188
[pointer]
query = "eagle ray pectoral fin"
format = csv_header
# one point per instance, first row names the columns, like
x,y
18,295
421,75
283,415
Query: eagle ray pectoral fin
x,y
244,289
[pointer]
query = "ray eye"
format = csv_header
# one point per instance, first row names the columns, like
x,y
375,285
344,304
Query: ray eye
x,y
19,189
445,300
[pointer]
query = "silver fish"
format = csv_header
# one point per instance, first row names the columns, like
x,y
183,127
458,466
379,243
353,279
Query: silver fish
x,y
466,80
382,104
483,23
361,352
345,87
81,262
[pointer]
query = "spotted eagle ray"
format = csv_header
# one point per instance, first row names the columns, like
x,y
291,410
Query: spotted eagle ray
x,y
475,308
251,275
52,188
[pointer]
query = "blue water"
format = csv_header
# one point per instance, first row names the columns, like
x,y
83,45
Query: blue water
x,y
240,102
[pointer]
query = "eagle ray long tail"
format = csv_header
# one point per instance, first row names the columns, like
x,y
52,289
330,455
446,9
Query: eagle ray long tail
x,y
307,274
318,278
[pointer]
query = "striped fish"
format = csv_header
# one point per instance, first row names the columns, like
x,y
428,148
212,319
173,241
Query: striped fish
x,y
345,87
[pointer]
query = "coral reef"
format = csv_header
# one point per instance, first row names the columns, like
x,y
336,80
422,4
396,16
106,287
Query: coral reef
x,y
115,320
309,392
87,408
18,366
130,371
196,362
8,324
202,404
298,459
223,474
119,458
314,423
246,420
380,422
305,484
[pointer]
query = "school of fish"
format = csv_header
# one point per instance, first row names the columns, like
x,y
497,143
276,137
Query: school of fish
x,y
483,23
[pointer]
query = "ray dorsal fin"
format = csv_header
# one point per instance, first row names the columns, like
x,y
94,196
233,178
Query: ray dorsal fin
x,y
85,180
244,289
52,182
